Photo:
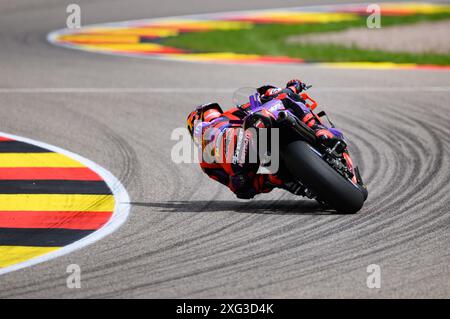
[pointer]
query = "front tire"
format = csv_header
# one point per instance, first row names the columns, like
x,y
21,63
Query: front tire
x,y
315,173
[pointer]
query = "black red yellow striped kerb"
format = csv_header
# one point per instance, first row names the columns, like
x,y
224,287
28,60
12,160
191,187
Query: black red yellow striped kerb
x,y
142,38
52,202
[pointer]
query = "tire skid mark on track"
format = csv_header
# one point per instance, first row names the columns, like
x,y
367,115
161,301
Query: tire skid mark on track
x,y
306,230
413,268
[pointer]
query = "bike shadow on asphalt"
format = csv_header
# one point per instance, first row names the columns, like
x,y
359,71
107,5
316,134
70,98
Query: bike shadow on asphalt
x,y
265,207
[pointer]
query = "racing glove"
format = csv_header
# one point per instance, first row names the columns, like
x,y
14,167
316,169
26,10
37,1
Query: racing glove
x,y
242,187
295,86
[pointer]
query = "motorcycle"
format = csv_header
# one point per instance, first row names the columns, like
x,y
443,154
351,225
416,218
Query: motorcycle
x,y
318,171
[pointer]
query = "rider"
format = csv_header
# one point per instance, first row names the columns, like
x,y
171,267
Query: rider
x,y
242,178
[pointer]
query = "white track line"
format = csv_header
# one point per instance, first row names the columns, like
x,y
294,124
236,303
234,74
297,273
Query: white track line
x,y
120,214
217,90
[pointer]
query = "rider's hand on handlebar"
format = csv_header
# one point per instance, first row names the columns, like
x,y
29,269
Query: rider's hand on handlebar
x,y
297,85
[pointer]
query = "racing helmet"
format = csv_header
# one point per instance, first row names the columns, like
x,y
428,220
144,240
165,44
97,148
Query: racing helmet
x,y
205,112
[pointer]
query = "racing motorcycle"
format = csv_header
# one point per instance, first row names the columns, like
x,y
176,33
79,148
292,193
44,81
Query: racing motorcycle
x,y
318,171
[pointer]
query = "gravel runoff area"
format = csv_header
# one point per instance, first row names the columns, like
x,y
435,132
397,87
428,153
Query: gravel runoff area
x,y
426,37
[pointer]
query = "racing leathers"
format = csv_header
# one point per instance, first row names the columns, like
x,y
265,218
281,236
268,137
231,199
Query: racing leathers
x,y
211,127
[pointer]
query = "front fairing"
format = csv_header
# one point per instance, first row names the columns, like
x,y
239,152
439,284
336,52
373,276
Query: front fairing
x,y
275,106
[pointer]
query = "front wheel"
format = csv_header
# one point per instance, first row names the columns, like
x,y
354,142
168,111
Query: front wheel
x,y
314,172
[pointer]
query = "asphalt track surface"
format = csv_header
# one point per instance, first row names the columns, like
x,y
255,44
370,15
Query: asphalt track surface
x,y
188,236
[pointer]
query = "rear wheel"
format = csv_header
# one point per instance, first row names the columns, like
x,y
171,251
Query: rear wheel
x,y
315,173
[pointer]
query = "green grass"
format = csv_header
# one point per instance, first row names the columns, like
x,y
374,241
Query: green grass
x,y
271,40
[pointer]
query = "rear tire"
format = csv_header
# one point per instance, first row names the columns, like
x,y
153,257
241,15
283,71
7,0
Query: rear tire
x,y
315,173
